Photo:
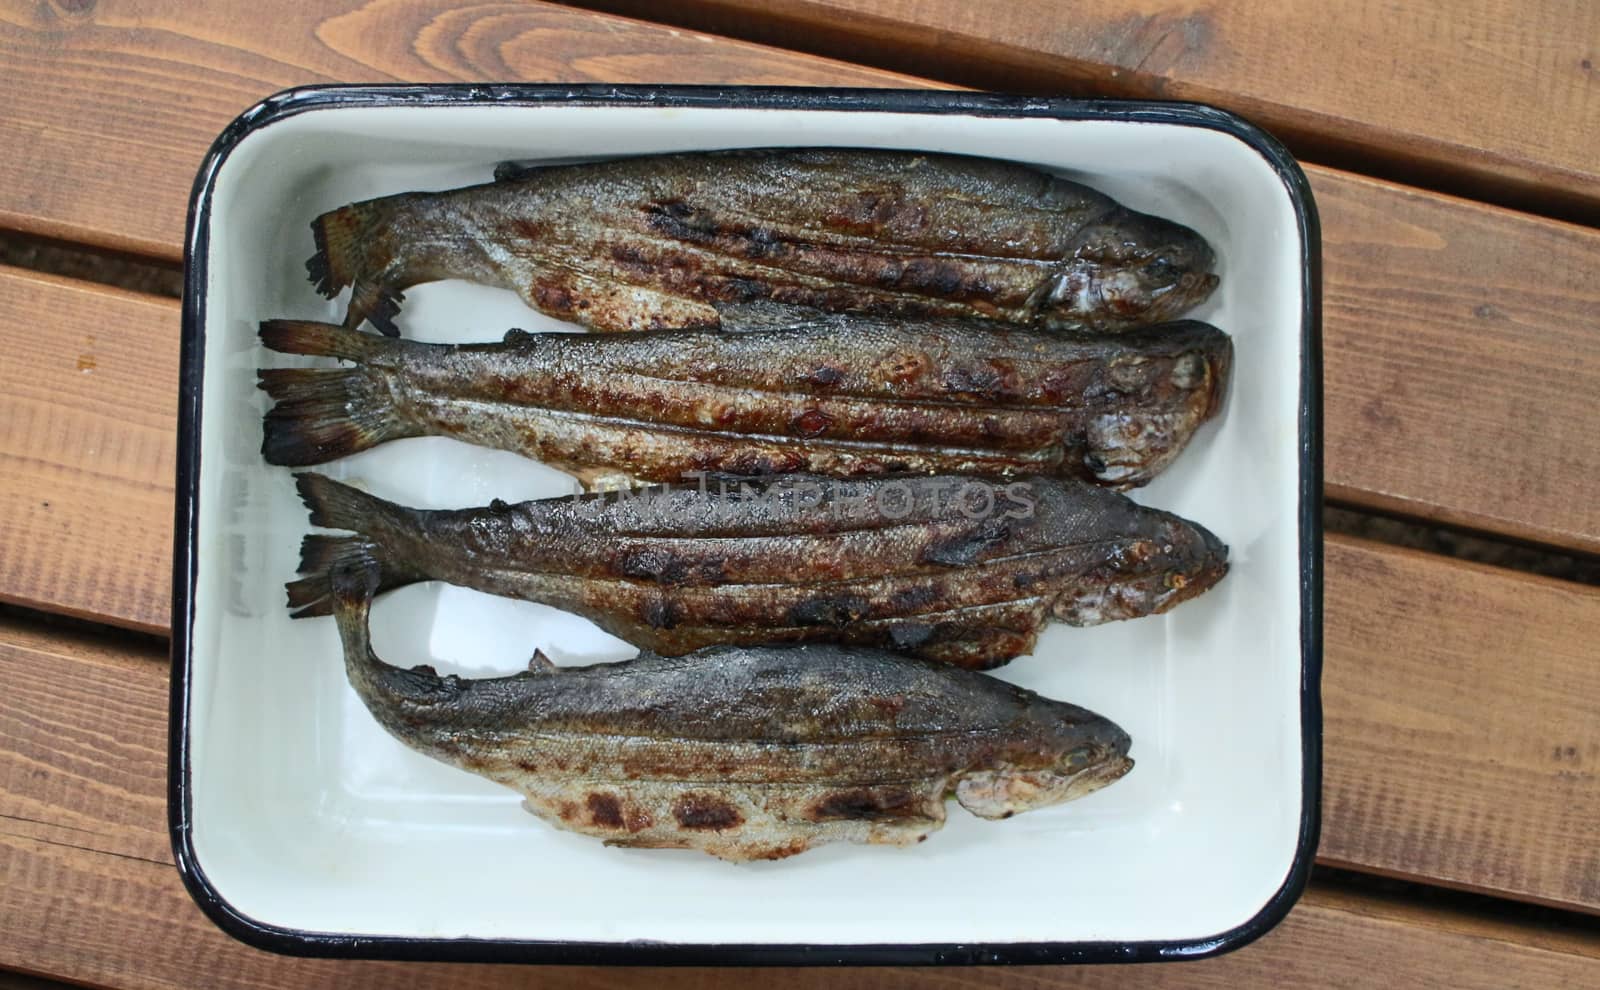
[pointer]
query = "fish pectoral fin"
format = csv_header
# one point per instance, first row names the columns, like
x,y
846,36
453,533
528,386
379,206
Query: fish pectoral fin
x,y
539,663
880,803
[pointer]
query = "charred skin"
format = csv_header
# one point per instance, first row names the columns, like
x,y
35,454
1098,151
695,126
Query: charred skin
x,y
657,241
741,752
956,569
836,395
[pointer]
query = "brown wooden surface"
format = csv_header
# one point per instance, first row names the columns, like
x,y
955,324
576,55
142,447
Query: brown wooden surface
x,y
1459,339
107,107
1462,708
83,843
1500,98
88,406
1462,343
86,463
1461,355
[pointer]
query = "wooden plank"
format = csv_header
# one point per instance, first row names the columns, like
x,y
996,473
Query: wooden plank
x,y
88,400
1442,316
109,106
82,844
1461,355
1437,91
1462,708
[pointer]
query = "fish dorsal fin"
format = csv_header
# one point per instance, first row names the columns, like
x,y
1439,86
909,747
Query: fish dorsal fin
x,y
541,664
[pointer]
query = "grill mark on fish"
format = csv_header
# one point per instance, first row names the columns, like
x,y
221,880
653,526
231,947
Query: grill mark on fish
x,y
863,599
649,242
922,397
928,276
635,426
742,753
974,592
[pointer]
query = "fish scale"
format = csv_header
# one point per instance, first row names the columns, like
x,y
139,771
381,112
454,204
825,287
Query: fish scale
x,y
775,390
659,240
898,563
740,752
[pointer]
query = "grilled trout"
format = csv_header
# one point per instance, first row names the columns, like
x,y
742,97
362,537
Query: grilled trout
x,y
652,242
741,752
956,569
769,393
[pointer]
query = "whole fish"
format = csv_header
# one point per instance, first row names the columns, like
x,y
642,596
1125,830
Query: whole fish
x,y
771,392
741,752
655,241
958,569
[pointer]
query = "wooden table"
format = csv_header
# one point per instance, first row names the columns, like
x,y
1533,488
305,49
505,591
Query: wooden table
x,y
1454,148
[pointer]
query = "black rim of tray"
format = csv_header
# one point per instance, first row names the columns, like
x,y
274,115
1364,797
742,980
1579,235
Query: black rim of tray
x,y
299,942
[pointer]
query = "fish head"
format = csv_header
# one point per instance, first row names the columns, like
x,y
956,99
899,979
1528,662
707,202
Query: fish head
x,y
1129,443
1083,752
1170,562
1190,563
1129,269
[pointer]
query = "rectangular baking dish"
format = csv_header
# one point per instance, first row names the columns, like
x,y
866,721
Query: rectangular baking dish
x,y
299,826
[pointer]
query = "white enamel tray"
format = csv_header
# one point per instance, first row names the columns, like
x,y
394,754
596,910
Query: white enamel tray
x,y
300,825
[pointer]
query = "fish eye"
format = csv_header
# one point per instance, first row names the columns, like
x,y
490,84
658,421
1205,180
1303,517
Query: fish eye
x,y
1160,269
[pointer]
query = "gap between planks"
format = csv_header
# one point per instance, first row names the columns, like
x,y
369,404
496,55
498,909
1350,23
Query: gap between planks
x,y
83,842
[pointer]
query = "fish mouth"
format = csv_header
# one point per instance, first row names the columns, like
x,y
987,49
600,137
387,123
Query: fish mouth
x,y
1211,567
1092,778
1001,793
1191,289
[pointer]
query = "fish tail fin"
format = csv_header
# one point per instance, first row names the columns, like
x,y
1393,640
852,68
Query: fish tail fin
x,y
342,238
339,259
325,413
340,506
321,557
377,305
322,340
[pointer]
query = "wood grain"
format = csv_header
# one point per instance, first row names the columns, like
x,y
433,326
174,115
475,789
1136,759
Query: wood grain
x,y
81,825
1437,92
1461,356
1462,708
1462,341
88,400
110,105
